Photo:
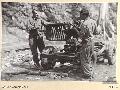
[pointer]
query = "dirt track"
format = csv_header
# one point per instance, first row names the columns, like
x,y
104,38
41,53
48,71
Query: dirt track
x,y
15,68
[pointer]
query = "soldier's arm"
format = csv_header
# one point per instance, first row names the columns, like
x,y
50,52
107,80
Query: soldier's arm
x,y
95,32
30,24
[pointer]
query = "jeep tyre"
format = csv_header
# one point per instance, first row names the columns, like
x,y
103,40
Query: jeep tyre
x,y
48,63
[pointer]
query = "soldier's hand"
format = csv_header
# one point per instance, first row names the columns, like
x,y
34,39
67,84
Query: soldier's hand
x,y
79,40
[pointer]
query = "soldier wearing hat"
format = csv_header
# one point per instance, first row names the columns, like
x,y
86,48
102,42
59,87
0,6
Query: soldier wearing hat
x,y
87,28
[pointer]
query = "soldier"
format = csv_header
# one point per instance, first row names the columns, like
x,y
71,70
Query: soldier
x,y
35,38
86,28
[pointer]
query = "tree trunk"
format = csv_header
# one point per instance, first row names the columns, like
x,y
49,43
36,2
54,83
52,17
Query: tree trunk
x,y
103,17
107,27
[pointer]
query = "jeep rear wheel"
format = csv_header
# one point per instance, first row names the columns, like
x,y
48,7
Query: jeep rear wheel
x,y
48,62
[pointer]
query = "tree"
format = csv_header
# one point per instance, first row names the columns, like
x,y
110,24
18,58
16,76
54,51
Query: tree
x,y
107,30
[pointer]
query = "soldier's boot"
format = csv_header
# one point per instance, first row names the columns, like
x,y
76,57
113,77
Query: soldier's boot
x,y
36,62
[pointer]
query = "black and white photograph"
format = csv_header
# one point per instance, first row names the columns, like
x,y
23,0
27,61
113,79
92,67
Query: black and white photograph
x,y
59,41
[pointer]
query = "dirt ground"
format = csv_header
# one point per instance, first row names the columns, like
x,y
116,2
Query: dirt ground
x,y
18,65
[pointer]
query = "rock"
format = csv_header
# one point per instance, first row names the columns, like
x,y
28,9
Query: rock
x,y
64,75
105,60
44,73
111,79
